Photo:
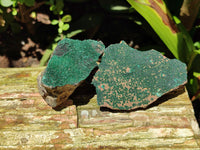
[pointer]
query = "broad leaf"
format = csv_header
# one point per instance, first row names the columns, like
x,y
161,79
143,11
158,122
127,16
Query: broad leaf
x,y
196,74
74,33
45,57
54,22
65,27
6,3
197,51
66,18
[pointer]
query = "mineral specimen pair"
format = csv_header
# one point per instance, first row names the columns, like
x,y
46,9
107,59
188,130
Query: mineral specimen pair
x,y
126,78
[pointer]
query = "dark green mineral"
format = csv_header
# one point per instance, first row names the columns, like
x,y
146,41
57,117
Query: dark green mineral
x,y
71,63
129,79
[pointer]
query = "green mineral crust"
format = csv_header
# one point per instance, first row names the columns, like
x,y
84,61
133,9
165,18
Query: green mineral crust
x,y
72,62
129,79
70,65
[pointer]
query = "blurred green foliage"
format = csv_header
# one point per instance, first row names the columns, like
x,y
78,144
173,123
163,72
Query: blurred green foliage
x,y
15,12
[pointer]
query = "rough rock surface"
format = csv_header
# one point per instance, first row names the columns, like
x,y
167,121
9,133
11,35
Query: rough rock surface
x,y
70,65
128,79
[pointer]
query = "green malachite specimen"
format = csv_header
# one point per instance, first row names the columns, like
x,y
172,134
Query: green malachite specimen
x,y
129,79
71,63
126,79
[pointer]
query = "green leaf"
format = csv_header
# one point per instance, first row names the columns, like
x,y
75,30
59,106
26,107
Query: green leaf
x,y
59,5
33,14
45,57
186,37
196,74
54,46
57,8
54,22
6,3
116,6
58,38
65,27
60,30
192,86
14,11
66,18
14,4
138,22
61,12
197,51
119,8
52,7
74,33
197,45
47,54
60,24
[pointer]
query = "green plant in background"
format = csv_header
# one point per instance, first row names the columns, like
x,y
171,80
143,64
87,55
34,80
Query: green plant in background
x,y
173,33
63,25
22,11
14,12
23,15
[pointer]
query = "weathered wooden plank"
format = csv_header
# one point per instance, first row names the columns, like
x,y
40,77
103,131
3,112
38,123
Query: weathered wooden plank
x,y
27,122
172,121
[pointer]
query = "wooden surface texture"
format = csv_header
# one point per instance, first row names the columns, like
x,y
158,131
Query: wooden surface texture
x,y
27,122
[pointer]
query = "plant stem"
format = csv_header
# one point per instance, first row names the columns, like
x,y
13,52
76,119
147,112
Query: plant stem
x,y
37,5
191,60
